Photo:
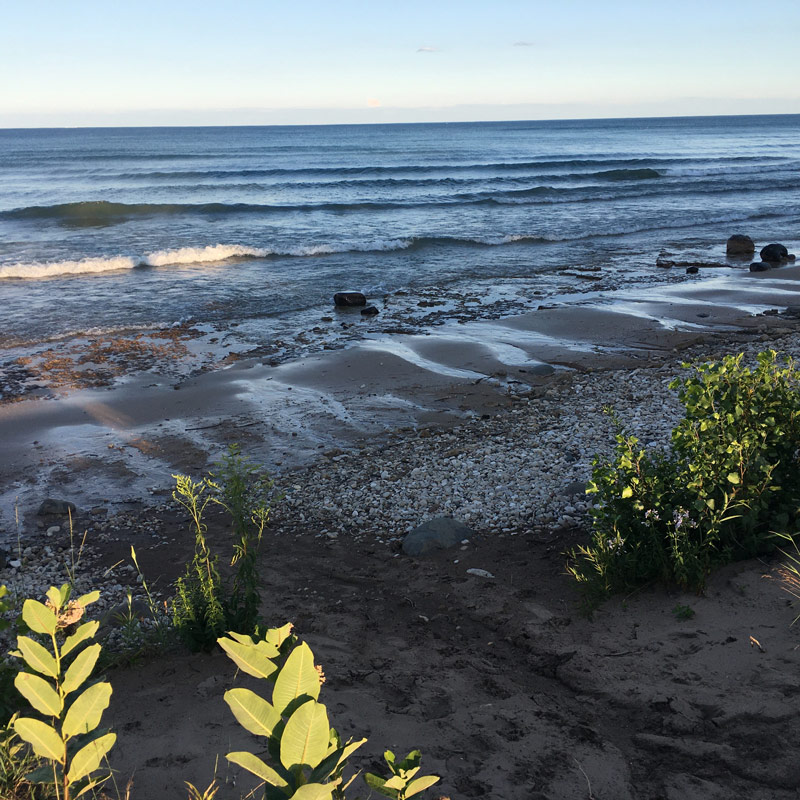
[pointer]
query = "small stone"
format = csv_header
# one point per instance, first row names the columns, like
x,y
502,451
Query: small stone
x,y
435,534
53,506
53,530
479,573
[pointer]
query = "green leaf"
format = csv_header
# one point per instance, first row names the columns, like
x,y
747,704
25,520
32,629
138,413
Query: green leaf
x,y
314,791
44,774
278,636
41,737
247,658
627,492
84,714
395,782
38,617
54,596
36,657
88,758
253,713
298,678
87,599
81,668
421,784
333,760
305,737
39,693
733,477
258,768
84,632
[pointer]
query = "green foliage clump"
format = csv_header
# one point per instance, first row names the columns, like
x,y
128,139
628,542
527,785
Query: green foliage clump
x,y
55,681
205,605
730,477
309,755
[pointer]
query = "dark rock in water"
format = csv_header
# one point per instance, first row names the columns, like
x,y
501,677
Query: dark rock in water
x,y
369,311
541,370
791,257
692,270
774,253
435,534
52,506
349,299
760,266
740,245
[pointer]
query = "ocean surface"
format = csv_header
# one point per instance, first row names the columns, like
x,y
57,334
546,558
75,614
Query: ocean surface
x,y
105,229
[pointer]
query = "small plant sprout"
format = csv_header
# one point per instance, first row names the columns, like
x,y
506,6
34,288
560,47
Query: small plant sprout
x,y
403,781
683,613
54,682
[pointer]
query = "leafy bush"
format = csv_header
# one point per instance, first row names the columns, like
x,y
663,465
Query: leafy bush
x,y
54,682
205,606
730,477
59,757
309,756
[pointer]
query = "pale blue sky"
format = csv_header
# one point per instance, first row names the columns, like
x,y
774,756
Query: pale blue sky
x,y
88,62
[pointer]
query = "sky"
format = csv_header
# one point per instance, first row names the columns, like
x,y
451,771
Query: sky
x,y
175,62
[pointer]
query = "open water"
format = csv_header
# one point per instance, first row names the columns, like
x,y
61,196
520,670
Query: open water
x,y
126,227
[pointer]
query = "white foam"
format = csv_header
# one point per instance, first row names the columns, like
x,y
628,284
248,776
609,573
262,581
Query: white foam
x,y
200,255
57,268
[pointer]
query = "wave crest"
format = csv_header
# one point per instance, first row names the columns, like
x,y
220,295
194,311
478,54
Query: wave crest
x,y
55,269
201,255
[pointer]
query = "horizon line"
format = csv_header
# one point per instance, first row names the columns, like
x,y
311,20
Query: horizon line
x,y
377,123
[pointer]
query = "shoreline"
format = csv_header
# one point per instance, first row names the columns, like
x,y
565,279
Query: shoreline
x,y
120,442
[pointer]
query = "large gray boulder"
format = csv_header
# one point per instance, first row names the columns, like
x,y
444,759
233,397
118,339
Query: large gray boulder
x,y
438,533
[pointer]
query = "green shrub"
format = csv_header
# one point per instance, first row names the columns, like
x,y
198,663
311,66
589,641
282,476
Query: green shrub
x,y
55,682
205,605
730,477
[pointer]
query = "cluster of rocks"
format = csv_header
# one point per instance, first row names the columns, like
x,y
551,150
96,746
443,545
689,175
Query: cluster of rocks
x,y
354,300
772,255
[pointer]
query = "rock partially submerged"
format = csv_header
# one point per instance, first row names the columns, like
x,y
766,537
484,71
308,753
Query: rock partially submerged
x,y
740,245
774,253
760,266
438,533
349,299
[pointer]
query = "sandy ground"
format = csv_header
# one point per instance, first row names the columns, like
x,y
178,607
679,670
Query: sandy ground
x,y
507,688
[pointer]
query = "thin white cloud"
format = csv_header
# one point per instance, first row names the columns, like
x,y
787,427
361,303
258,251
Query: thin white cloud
x,y
427,49
523,44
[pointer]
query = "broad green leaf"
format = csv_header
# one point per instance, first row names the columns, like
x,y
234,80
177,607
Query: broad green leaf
x,y
87,599
54,596
252,712
305,737
38,617
395,782
36,657
81,668
88,758
421,784
39,693
247,658
314,791
257,767
268,649
84,714
41,737
47,773
733,477
374,781
242,638
627,492
297,678
84,632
